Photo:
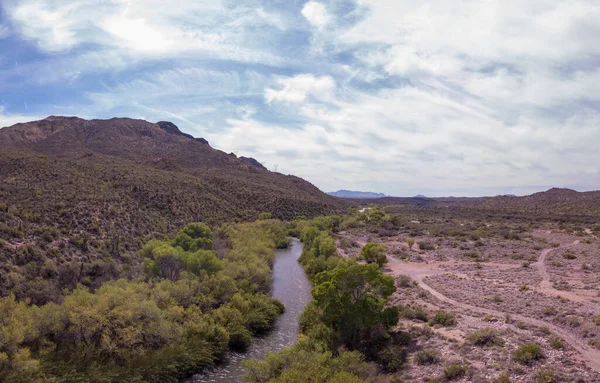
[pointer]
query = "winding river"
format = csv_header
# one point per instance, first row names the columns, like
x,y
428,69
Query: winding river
x,y
290,286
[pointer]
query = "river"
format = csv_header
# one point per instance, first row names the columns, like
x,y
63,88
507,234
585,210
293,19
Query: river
x,y
290,286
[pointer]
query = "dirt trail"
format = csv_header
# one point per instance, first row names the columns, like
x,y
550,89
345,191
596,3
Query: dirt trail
x,y
545,287
418,272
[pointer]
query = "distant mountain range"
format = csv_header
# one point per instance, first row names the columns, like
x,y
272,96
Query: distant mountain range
x,y
356,194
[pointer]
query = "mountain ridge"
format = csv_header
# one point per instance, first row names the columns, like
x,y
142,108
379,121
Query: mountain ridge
x,y
355,194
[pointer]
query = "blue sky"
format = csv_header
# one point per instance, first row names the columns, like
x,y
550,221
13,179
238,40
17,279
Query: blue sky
x,y
402,97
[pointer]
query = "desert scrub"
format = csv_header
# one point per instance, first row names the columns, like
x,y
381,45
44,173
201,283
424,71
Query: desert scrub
x,y
528,353
597,320
418,313
443,318
556,342
427,356
595,343
426,245
404,281
486,337
544,376
456,371
502,378
555,244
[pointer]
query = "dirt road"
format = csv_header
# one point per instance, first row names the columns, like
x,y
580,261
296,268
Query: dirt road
x,y
418,272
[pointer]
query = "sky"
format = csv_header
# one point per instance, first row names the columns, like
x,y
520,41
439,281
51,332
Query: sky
x,y
469,98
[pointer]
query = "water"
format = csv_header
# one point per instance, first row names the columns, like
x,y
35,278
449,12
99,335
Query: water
x,y
290,286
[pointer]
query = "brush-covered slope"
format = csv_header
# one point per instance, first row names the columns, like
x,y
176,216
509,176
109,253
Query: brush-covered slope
x,y
77,197
553,202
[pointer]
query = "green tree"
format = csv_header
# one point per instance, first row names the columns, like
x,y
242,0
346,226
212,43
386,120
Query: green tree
x,y
350,300
264,216
374,253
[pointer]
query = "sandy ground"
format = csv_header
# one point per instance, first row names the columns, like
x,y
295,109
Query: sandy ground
x,y
516,287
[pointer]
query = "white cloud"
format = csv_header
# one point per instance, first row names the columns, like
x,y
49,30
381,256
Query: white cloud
x,y
4,31
458,97
9,119
296,89
151,28
316,14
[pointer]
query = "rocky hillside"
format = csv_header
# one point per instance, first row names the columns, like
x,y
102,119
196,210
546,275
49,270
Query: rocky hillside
x,y
562,202
77,197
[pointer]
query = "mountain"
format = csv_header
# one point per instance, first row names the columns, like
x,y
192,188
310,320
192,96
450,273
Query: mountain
x,y
74,190
555,201
355,194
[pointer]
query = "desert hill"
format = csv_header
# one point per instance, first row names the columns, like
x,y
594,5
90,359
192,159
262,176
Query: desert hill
x,y
556,201
78,197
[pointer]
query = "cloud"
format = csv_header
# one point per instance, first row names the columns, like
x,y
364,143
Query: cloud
x,y
4,31
316,14
432,97
296,89
9,119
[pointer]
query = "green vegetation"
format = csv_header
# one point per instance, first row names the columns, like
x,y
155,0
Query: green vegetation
x,y
443,318
410,242
528,353
502,378
346,326
428,356
456,371
374,253
303,363
545,376
486,337
192,305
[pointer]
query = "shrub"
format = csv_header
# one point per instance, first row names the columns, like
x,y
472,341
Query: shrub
x,y
543,376
555,244
428,356
417,313
456,371
556,342
426,245
406,281
502,378
443,318
486,337
528,353
392,357
569,255
264,216
410,242
374,253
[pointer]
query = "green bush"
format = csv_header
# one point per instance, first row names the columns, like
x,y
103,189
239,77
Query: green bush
x,y
443,318
374,253
528,353
427,356
502,378
545,376
485,337
456,371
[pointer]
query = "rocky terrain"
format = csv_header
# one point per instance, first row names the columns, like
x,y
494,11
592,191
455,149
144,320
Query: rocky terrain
x,y
477,292
78,197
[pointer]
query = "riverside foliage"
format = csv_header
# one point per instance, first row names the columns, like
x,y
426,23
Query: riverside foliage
x,y
192,305
347,325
